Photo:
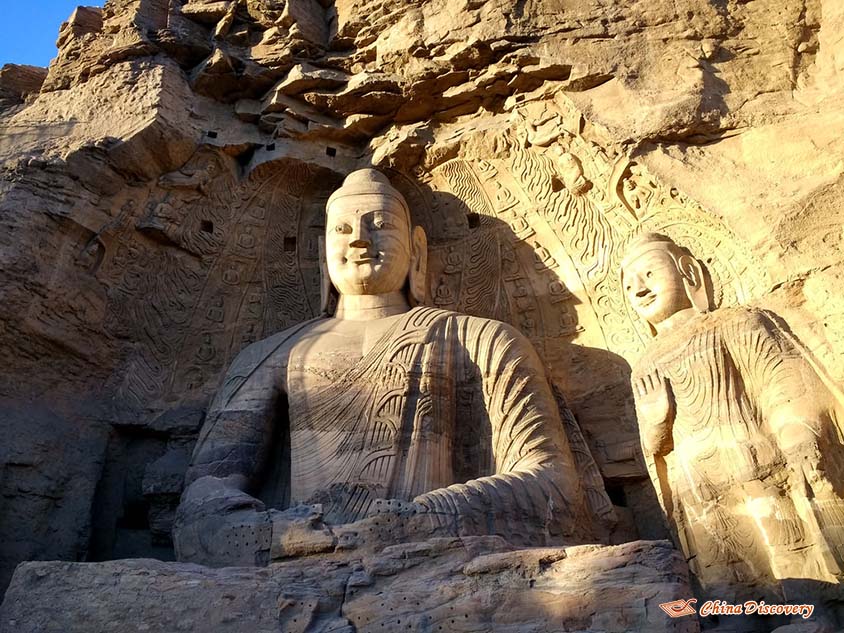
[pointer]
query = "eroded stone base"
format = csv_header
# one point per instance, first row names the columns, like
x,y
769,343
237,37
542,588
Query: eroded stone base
x,y
472,584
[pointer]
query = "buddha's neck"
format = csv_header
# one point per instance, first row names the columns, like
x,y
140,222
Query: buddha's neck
x,y
371,307
675,320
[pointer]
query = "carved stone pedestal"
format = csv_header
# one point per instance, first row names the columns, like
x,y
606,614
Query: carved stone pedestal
x,y
471,584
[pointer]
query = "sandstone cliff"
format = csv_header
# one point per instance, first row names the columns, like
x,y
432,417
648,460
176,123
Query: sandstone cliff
x,y
163,184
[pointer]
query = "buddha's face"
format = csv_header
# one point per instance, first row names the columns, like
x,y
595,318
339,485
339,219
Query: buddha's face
x,y
654,286
367,245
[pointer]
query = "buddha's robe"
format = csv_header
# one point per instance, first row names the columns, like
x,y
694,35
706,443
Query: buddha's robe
x,y
746,508
451,411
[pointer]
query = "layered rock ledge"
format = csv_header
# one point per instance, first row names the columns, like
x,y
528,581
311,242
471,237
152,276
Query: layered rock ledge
x,y
469,584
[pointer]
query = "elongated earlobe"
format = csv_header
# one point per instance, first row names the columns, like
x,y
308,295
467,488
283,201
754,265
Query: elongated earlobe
x,y
696,282
327,293
418,276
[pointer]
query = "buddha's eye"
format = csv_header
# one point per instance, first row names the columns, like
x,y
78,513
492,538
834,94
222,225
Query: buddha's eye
x,y
381,222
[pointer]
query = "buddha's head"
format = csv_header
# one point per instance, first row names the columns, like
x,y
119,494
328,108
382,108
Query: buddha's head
x,y
371,247
661,278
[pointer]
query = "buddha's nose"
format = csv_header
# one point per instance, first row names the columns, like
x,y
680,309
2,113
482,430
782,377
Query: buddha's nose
x,y
640,289
360,235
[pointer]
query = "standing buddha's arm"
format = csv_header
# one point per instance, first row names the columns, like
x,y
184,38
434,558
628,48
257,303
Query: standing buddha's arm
x,y
796,407
792,400
801,413
535,490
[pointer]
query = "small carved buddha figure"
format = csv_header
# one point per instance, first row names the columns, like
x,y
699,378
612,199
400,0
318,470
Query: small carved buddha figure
x,y
572,173
739,432
445,423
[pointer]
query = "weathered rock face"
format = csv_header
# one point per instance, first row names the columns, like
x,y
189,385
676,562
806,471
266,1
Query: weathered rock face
x,y
17,82
439,585
163,196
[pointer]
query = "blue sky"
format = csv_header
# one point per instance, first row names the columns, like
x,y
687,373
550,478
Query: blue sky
x,y
29,29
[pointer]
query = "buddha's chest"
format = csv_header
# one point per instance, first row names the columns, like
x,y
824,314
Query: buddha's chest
x,y
348,414
325,359
317,368
365,381
693,365
712,413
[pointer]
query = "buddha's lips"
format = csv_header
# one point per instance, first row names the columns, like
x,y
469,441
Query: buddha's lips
x,y
647,300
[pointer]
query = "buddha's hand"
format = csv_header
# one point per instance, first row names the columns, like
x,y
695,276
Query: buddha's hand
x,y
300,531
392,521
213,495
220,525
655,410
812,458
813,470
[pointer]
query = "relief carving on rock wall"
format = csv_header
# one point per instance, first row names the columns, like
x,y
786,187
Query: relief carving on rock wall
x,y
246,265
541,140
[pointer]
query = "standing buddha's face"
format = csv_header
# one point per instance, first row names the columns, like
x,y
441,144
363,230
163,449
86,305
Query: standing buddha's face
x,y
654,285
367,244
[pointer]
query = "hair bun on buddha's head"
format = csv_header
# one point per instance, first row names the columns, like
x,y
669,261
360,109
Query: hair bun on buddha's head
x,y
650,241
362,177
368,181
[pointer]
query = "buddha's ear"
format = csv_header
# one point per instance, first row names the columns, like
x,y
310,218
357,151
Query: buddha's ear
x,y
696,282
327,293
418,276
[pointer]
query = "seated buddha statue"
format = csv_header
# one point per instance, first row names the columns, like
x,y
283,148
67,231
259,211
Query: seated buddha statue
x,y
384,422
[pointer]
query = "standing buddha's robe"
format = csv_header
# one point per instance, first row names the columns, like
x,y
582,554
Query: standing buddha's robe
x,y
745,512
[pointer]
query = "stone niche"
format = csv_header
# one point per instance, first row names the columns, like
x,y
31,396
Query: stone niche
x,y
162,199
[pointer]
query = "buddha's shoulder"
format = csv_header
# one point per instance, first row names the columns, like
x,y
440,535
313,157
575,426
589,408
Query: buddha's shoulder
x,y
748,317
735,320
727,324
274,346
462,325
730,317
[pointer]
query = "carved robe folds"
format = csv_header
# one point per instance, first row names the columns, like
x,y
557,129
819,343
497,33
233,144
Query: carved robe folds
x,y
437,400
744,451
